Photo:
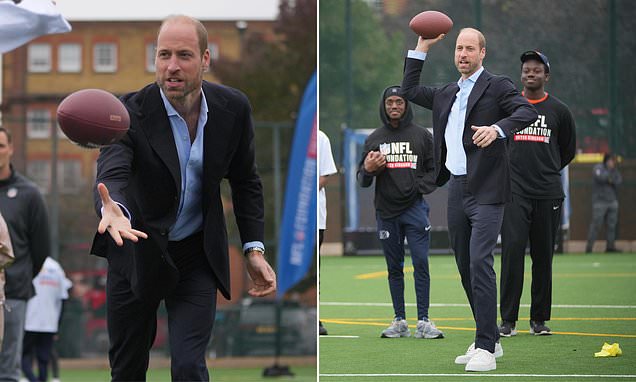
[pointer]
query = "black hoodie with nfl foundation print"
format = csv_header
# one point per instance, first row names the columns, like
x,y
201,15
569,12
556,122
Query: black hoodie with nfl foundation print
x,y
409,169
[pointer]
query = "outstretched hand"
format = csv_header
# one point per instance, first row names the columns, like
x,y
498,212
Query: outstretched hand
x,y
114,221
261,274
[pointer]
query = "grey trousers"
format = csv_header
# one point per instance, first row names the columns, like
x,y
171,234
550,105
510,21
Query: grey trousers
x,y
600,209
11,355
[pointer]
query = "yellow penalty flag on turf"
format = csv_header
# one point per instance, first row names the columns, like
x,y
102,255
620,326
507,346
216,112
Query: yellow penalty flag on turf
x,y
609,350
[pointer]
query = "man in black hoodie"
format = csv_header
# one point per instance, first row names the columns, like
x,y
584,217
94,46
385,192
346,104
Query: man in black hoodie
x,y
23,208
400,156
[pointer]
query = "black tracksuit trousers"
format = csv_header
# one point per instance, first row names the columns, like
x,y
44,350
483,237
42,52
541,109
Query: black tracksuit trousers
x,y
537,221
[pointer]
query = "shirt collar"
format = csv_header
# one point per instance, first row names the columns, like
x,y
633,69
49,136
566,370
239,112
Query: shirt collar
x,y
173,112
473,78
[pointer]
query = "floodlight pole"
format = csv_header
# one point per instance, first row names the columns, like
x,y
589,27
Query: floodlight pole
x,y
277,370
615,132
55,199
477,9
349,64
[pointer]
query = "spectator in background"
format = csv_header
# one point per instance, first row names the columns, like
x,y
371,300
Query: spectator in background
x,y
399,155
607,178
326,168
538,153
24,210
6,258
42,318
55,358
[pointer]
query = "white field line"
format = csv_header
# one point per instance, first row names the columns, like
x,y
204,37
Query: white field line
x,y
330,336
566,306
483,376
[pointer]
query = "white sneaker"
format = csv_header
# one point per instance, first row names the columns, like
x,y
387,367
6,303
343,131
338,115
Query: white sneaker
x,y
483,360
463,359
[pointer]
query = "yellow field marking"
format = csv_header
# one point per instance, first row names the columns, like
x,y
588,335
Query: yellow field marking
x,y
348,322
384,274
527,275
377,275
587,275
590,334
592,319
366,323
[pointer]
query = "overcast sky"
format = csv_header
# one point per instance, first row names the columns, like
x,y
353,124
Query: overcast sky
x,y
80,10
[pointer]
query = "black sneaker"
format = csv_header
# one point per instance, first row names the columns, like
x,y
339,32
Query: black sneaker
x,y
613,250
507,329
538,328
321,329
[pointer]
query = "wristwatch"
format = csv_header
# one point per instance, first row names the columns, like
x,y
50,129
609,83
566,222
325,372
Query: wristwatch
x,y
251,249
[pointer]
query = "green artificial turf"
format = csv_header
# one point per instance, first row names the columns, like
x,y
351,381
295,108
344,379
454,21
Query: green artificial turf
x,y
585,289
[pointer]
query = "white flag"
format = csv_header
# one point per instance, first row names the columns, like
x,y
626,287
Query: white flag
x,y
21,23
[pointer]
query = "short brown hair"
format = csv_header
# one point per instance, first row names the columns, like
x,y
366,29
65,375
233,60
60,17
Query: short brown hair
x,y
202,33
480,36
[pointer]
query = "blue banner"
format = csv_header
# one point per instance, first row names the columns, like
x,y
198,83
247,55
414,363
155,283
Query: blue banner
x,y
298,231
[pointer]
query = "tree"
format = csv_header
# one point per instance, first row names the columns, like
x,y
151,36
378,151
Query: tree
x,y
273,74
376,64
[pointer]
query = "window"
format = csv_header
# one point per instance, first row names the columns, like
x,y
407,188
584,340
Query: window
x,y
377,4
38,123
105,57
151,49
39,171
69,177
69,58
214,51
39,58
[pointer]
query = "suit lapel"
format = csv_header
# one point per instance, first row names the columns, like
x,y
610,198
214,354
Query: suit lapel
x,y
156,127
480,86
217,135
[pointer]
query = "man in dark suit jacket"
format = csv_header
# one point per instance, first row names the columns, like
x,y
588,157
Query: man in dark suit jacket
x,y
163,178
471,120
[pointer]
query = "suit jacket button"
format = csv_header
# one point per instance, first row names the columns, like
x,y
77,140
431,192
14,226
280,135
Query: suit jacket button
x,y
163,233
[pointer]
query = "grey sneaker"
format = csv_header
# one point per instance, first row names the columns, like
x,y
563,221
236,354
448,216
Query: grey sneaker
x,y
399,328
507,329
427,329
538,328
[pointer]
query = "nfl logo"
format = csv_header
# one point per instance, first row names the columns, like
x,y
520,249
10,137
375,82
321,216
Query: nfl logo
x,y
385,148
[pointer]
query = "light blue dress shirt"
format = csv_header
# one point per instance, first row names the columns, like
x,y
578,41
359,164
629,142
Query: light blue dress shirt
x,y
455,154
190,213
